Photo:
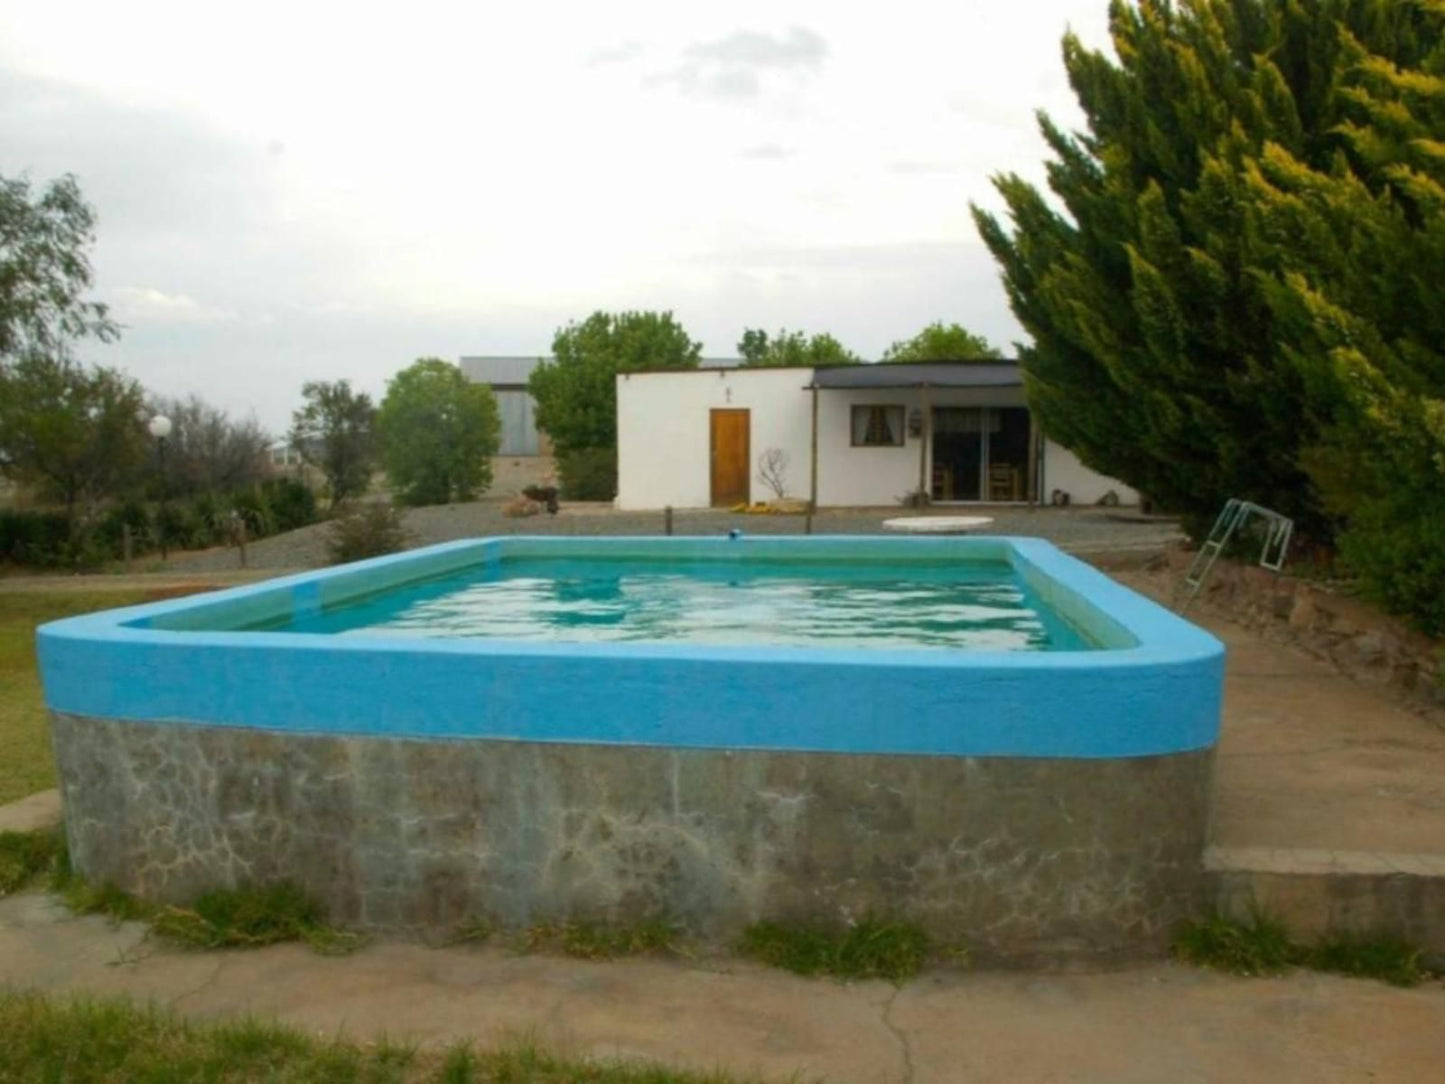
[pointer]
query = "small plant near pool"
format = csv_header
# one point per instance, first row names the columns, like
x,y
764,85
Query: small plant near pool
x,y
1385,958
251,917
872,948
596,941
247,917
1263,946
474,931
366,529
27,856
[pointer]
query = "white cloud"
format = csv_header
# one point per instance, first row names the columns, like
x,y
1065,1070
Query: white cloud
x,y
731,68
287,195
614,54
767,152
138,304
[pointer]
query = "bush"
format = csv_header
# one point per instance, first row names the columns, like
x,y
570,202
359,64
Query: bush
x,y
1399,556
179,527
588,474
291,502
109,533
255,512
365,530
37,539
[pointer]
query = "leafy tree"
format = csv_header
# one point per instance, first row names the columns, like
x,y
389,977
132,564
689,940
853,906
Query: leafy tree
x,y
792,349
208,451
44,270
334,431
438,431
576,391
940,342
73,433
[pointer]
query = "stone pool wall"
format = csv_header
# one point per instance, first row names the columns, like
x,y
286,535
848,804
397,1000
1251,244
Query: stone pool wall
x,y
1022,858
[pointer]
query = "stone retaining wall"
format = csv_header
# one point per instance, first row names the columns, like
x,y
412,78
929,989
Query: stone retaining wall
x,y
1355,636
1022,858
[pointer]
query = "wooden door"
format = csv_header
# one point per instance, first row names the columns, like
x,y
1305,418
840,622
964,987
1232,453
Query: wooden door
x,y
731,458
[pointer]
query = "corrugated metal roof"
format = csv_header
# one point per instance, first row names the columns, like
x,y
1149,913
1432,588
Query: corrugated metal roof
x,y
499,372
935,374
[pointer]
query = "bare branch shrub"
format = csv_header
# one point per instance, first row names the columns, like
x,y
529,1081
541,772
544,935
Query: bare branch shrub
x,y
773,471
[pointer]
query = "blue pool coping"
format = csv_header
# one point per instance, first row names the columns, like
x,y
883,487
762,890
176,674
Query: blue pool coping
x,y
1154,688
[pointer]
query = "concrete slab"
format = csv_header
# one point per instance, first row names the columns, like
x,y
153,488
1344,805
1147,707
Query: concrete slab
x,y
1160,1022
1312,759
36,813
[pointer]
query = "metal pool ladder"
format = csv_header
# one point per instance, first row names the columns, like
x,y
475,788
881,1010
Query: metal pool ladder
x,y
1278,530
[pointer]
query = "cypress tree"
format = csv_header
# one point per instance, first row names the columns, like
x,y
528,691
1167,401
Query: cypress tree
x,y
1230,293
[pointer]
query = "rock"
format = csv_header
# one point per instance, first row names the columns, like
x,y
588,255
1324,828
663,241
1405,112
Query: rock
x,y
519,507
1302,614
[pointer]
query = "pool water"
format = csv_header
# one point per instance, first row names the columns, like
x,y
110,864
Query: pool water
x,y
974,605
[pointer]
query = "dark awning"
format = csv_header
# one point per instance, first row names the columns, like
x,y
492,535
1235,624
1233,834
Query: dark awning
x,y
934,374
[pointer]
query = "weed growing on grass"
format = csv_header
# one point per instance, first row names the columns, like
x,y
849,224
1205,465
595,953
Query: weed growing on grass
x,y
592,941
1385,958
229,918
27,856
1260,946
872,948
251,917
473,931
1263,946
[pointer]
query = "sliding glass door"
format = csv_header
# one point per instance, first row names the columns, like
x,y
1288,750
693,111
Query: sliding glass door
x,y
980,454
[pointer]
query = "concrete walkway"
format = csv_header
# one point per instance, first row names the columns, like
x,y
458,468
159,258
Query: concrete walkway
x,y
1310,758
1149,1024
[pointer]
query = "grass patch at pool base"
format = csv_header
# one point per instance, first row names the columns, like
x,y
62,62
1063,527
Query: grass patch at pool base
x,y
1262,946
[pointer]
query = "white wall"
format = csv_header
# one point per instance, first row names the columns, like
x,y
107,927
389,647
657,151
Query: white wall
x,y
663,452
1063,471
869,477
663,432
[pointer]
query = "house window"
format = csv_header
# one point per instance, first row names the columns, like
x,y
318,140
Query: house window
x,y
877,427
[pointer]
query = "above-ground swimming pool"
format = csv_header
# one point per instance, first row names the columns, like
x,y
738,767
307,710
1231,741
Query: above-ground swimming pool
x,y
982,735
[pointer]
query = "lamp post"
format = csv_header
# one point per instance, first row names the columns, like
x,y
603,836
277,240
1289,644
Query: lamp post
x,y
160,427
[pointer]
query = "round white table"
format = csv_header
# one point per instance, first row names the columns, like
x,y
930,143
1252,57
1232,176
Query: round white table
x,y
937,524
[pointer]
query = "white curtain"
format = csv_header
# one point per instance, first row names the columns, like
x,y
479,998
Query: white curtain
x,y
877,425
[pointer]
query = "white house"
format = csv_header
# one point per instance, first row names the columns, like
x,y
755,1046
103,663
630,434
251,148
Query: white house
x,y
856,435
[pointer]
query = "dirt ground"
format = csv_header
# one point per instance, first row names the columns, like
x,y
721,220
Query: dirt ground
x,y
1079,530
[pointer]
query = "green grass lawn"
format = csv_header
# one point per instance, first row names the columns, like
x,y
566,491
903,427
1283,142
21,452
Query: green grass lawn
x,y
25,761
112,1040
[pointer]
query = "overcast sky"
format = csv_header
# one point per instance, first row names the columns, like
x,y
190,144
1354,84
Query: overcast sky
x,y
300,191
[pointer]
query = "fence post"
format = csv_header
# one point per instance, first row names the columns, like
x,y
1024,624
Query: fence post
x,y
667,519
125,546
808,521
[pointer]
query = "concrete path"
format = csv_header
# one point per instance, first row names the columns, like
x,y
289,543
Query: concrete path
x,y
1312,758
1150,1024
36,813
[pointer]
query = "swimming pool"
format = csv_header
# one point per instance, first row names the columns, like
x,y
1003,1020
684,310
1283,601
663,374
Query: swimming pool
x,y
1036,798
771,601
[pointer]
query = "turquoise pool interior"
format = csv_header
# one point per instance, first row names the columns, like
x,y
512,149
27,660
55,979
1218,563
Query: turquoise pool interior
x,y
961,605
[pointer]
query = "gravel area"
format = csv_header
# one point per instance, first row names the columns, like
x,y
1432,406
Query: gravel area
x,y
1078,530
